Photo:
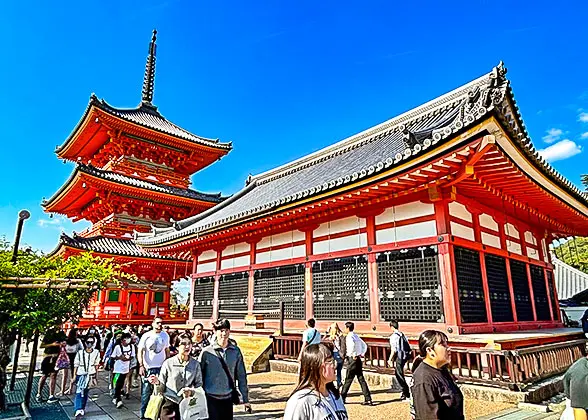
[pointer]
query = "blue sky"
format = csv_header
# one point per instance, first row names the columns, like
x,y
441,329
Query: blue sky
x,y
279,79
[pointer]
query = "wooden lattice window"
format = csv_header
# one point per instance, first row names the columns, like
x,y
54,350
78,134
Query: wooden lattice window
x,y
113,295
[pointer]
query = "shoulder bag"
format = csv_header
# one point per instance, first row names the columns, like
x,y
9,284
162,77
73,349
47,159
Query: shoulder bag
x,y
235,397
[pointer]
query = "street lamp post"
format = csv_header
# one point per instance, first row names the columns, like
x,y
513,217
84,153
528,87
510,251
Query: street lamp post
x,y
22,216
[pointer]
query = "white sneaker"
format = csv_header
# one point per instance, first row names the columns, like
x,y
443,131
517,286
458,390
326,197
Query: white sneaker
x,y
119,404
114,401
82,412
79,413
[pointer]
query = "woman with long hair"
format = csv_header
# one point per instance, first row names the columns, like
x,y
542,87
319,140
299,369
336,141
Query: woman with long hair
x,y
435,393
72,346
316,397
335,336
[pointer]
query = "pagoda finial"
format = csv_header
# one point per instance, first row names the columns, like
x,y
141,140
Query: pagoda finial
x,y
149,78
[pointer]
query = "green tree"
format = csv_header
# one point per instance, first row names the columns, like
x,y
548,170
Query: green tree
x,y
573,252
31,310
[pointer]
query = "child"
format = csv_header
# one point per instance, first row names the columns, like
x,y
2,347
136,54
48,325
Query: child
x,y
122,354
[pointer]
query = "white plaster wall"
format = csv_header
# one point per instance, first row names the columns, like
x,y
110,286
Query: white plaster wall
x,y
513,247
112,309
405,211
466,232
490,240
340,244
280,254
460,211
338,226
207,255
511,230
206,267
236,249
533,253
407,233
544,246
530,238
488,222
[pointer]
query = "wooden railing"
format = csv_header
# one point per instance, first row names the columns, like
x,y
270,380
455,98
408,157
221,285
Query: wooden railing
x,y
513,369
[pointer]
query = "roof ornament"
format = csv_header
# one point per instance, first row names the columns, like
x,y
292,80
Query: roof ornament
x,y
409,138
149,78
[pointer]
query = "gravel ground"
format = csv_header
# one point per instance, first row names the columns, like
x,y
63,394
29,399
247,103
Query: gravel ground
x,y
269,393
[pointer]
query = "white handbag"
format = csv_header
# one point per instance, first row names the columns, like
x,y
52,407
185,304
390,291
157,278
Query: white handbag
x,y
194,407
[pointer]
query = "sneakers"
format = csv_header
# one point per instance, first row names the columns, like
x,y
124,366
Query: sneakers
x,y
370,402
38,398
114,401
119,404
52,399
79,414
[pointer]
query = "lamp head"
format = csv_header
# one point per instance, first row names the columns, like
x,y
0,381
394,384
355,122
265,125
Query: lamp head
x,y
24,214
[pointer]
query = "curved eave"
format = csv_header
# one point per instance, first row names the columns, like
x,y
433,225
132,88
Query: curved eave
x,y
63,248
58,203
97,109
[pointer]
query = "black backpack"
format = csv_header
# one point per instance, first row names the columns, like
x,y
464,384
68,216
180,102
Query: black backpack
x,y
404,351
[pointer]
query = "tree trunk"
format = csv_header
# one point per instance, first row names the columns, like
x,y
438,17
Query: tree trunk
x,y
7,337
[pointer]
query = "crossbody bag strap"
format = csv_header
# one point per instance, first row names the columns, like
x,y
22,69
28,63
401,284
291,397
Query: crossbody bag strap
x,y
226,369
314,335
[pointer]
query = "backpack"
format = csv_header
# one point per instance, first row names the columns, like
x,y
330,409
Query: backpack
x,y
404,351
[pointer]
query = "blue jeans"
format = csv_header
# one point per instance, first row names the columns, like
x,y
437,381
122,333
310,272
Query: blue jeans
x,y
339,361
81,397
147,388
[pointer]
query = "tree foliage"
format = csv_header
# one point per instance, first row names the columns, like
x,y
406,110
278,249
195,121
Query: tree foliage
x,y
573,252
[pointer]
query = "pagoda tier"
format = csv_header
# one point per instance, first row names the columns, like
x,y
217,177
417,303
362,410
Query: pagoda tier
x,y
96,195
147,266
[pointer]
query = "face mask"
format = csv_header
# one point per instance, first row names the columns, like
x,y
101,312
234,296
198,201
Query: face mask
x,y
89,344
126,342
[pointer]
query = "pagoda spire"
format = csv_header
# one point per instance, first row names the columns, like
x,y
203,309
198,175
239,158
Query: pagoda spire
x,y
149,78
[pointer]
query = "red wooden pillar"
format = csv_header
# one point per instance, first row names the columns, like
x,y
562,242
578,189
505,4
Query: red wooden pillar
x,y
503,245
195,255
308,297
215,300
531,293
478,239
372,270
251,285
446,267
548,294
556,309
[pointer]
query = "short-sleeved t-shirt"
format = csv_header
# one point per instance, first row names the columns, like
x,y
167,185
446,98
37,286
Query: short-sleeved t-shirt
x,y
154,345
576,384
122,366
311,336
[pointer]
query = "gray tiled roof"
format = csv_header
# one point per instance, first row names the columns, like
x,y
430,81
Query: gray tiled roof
x,y
359,157
139,183
112,246
147,116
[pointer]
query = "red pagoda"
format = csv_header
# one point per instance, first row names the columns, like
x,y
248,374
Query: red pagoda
x,y
132,174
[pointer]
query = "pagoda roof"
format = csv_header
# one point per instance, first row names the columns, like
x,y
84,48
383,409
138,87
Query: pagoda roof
x,y
396,143
145,115
111,246
82,170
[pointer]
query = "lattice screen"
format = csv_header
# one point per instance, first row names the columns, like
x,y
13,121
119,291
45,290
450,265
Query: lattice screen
x,y
286,284
500,301
409,285
552,295
340,289
472,305
203,294
520,285
232,294
540,294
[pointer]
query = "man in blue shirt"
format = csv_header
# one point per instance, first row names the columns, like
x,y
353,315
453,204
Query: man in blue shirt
x,y
310,336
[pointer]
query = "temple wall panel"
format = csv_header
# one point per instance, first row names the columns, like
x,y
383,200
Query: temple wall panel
x,y
530,238
466,232
407,232
532,253
488,222
279,247
232,256
514,247
206,262
460,211
339,244
545,253
405,211
490,240
511,230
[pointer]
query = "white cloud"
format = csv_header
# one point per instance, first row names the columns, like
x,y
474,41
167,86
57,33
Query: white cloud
x,y
54,222
583,117
584,135
553,134
560,150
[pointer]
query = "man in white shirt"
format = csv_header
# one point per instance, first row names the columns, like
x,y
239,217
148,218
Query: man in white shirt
x,y
356,349
153,349
310,336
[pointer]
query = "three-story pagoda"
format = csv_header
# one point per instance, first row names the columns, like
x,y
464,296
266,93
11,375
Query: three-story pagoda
x,y
132,174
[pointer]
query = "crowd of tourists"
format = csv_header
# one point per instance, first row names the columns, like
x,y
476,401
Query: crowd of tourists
x,y
169,366
321,393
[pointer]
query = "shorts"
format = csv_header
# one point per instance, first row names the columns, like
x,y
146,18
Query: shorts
x,y
48,365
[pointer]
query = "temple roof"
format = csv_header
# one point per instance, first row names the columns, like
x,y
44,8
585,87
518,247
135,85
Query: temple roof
x,y
134,182
393,143
145,115
110,246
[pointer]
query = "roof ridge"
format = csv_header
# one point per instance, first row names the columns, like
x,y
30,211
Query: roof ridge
x,y
369,134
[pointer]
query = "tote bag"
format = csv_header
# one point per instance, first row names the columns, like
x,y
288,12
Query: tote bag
x,y
194,408
154,406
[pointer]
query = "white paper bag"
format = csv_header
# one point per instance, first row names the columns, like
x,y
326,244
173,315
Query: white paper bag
x,y
568,413
194,408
